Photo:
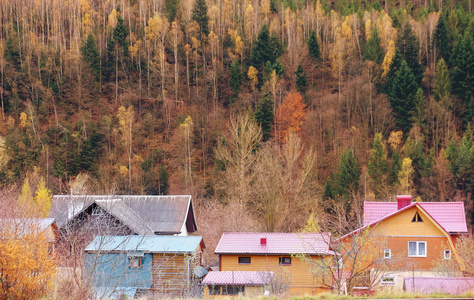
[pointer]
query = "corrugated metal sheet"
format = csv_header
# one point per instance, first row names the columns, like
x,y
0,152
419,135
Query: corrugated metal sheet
x,y
276,243
248,278
26,225
448,285
163,214
450,215
150,244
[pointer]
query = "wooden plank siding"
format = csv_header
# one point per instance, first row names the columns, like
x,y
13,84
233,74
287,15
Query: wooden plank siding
x,y
297,277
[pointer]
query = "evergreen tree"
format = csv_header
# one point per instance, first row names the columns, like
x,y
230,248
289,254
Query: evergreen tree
x,y
394,67
442,88
462,61
441,39
91,55
301,79
171,8
378,166
120,35
421,164
266,48
200,16
235,77
409,47
264,115
348,174
373,50
402,96
419,114
313,45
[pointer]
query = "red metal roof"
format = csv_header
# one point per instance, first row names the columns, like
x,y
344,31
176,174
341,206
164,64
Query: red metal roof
x,y
276,243
450,215
447,285
238,278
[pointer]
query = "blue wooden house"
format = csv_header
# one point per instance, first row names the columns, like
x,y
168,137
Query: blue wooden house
x,y
137,264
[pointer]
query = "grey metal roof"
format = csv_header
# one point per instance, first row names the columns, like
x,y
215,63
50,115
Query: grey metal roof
x,y
149,243
143,214
26,225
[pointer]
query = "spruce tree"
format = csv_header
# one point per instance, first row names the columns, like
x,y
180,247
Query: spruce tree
x,y
171,8
377,164
301,79
419,114
373,50
120,35
91,55
313,45
266,48
235,77
348,174
442,88
402,96
394,67
462,61
421,164
264,115
200,16
409,47
441,39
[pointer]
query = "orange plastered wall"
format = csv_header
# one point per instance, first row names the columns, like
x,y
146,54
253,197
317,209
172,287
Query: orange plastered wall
x,y
297,276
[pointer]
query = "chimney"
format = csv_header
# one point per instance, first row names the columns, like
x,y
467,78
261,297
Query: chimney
x,y
403,200
263,241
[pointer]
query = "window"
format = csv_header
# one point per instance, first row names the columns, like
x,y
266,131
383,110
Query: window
x,y
387,253
285,260
388,280
232,290
214,290
96,211
417,249
244,260
135,262
447,254
417,218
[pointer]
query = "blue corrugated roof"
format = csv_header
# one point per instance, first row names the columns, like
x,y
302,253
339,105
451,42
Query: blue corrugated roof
x,y
148,243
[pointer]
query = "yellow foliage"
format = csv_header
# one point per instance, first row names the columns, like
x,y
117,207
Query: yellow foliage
x,y
86,23
265,7
312,224
187,125
395,139
405,177
157,27
368,29
113,19
85,6
123,170
387,60
23,120
25,195
28,269
43,198
252,74
386,30
249,20
346,28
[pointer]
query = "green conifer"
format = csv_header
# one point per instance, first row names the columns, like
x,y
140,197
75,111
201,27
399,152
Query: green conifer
x,y
402,96
91,55
200,16
264,115
409,47
441,39
373,50
301,79
313,45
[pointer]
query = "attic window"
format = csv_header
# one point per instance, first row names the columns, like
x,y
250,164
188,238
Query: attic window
x,y
417,218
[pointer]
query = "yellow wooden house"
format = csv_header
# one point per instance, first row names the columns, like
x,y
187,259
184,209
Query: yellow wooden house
x,y
283,255
415,238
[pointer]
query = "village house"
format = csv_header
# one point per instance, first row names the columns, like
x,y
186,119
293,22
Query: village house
x,y
81,218
274,262
418,238
162,265
22,226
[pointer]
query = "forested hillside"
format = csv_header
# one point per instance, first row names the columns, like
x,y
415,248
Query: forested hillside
x,y
270,113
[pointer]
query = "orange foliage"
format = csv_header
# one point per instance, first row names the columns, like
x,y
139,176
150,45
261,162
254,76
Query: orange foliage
x,y
290,115
27,269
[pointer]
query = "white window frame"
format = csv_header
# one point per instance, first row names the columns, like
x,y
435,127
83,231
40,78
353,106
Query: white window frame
x,y
389,251
447,254
418,248
392,280
135,262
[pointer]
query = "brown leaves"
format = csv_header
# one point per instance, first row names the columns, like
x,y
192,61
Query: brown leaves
x,y
290,115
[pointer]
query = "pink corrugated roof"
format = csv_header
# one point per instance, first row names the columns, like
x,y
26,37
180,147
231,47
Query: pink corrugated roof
x,y
450,215
447,285
277,243
238,278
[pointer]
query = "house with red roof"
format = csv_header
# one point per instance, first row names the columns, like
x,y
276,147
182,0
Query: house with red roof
x,y
253,263
418,236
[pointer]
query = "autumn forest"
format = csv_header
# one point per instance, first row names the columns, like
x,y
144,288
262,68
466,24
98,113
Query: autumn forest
x,y
273,114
